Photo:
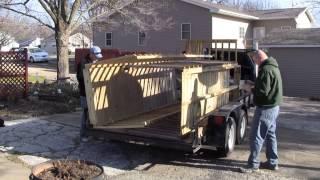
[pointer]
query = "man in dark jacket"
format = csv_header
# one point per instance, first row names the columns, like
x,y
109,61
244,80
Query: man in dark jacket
x,y
267,98
94,54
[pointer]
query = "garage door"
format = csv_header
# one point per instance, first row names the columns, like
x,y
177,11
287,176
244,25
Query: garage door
x,y
300,69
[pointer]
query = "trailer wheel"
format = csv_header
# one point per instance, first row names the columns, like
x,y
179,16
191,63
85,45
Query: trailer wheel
x,y
230,138
242,127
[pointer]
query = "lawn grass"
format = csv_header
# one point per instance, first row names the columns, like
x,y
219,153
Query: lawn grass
x,y
33,79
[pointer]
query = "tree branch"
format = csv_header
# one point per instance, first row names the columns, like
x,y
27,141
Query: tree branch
x,y
14,4
64,10
52,6
74,9
28,15
45,5
112,9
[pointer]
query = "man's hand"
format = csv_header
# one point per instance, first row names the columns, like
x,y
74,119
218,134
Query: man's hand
x,y
247,86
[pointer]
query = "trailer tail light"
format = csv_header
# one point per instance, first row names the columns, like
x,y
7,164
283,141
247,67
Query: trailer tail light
x,y
219,120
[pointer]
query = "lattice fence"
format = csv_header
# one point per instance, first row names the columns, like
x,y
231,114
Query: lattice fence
x,y
13,74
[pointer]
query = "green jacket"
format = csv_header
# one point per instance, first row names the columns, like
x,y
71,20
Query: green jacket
x,y
268,85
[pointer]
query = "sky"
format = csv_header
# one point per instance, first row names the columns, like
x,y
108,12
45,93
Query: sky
x,y
288,3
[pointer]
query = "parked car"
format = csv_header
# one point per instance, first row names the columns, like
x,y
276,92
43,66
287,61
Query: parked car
x,y
37,55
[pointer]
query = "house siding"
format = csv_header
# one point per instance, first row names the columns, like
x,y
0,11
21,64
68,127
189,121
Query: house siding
x,y
224,27
271,25
165,40
300,70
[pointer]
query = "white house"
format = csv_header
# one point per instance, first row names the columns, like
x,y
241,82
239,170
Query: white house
x,y
77,40
12,44
30,43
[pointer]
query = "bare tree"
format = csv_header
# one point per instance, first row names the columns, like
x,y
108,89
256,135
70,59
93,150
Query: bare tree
x,y
219,1
65,16
313,3
5,37
20,28
248,4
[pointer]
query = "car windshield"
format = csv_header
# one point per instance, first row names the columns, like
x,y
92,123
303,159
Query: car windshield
x,y
36,50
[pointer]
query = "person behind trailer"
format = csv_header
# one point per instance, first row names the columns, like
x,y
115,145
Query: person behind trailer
x,y
92,57
267,98
2,122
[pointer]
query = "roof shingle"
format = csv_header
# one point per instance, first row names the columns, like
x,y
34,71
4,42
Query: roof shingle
x,y
278,13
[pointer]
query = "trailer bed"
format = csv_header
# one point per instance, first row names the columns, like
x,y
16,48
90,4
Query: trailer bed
x,y
144,119
168,128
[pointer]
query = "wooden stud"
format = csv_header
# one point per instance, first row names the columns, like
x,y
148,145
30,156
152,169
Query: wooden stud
x,y
216,50
229,51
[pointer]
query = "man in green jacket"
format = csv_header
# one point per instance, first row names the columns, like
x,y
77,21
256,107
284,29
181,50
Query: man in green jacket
x,y
267,98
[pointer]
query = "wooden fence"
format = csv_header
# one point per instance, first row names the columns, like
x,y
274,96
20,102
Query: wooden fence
x,y
13,74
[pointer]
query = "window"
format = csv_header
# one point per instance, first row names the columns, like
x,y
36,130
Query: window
x,y
285,27
185,31
142,38
108,39
38,50
259,33
241,32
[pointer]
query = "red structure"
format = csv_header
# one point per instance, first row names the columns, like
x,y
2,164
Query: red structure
x,y
106,53
13,74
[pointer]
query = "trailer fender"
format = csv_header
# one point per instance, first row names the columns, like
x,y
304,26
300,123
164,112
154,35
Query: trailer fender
x,y
231,109
218,120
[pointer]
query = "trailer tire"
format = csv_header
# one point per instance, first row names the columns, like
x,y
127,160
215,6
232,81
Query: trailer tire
x,y
242,127
230,138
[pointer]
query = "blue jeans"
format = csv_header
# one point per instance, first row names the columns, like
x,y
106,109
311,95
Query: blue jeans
x,y
264,129
84,116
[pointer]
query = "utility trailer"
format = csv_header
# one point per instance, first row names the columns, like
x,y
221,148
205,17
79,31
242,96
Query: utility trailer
x,y
183,102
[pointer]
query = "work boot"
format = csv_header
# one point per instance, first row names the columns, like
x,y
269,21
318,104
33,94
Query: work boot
x,y
249,169
267,165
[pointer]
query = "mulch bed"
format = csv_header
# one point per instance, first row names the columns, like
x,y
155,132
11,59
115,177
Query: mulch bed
x,y
23,109
70,170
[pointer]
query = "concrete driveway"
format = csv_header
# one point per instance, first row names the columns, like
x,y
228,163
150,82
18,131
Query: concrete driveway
x,y
32,141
